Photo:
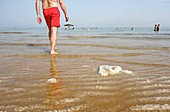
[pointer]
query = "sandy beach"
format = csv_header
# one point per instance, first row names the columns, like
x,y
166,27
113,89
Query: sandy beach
x,y
26,67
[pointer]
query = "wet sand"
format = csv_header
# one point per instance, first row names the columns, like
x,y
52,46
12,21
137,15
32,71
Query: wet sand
x,y
26,67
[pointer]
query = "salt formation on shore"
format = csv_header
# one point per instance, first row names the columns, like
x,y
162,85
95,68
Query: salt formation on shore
x,y
52,80
106,70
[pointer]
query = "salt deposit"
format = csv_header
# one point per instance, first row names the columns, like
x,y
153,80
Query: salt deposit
x,y
106,70
52,80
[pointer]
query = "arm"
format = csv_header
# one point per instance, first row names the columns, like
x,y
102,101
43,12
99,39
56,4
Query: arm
x,y
63,7
37,6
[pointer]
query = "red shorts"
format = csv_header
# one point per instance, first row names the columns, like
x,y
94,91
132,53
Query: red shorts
x,y
52,17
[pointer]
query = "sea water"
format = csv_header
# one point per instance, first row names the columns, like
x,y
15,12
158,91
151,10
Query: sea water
x,y
26,67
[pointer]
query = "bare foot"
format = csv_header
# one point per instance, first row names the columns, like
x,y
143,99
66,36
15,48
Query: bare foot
x,y
53,52
56,49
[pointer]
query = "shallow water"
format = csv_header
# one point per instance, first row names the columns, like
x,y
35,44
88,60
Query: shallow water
x,y
26,67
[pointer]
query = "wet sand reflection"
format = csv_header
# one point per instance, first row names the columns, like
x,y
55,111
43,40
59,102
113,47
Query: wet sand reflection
x,y
54,88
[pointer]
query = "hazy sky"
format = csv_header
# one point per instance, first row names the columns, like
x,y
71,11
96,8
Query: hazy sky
x,y
15,13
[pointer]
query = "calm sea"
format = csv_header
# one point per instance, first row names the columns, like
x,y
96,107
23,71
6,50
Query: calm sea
x,y
26,67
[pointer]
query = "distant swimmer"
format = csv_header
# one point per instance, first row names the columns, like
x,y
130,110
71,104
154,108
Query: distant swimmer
x,y
155,27
158,27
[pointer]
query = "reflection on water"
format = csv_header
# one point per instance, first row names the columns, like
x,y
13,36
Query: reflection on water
x,y
54,88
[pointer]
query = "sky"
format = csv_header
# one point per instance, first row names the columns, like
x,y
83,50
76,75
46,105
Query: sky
x,y
97,13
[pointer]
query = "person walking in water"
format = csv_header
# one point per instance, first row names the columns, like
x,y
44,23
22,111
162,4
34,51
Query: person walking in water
x,y
52,17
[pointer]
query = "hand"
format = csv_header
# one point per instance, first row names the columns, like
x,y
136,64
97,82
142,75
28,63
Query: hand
x,y
39,20
67,18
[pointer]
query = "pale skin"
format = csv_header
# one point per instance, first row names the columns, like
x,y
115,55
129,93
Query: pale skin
x,y
53,31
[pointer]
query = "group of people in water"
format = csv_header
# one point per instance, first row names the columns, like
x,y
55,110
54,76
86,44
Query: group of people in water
x,y
157,27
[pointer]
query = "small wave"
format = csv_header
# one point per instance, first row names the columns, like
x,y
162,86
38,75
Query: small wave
x,y
135,34
78,37
93,56
91,45
17,108
143,37
12,32
150,107
133,63
23,44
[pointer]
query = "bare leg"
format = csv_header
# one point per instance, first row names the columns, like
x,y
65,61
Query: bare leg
x,y
53,32
49,35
